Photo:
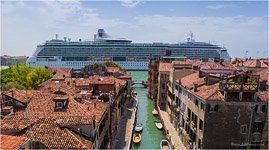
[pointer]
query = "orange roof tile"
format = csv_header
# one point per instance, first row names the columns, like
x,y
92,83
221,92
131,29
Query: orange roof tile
x,y
47,132
263,74
191,79
163,66
19,95
12,142
254,63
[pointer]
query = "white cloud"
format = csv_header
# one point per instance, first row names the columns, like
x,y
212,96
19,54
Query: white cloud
x,y
129,3
215,7
27,24
237,33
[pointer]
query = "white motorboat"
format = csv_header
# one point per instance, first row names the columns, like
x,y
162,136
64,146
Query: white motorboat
x,y
139,127
159,125
165,145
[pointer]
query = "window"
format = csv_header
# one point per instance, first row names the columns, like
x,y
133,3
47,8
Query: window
x,y
163,95
196,102
201,124
161,75
260,108
163,86
59,105
243,129
258,127
165,76
213,108
202,106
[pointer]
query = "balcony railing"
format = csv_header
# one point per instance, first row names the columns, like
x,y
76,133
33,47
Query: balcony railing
x,y
238,87
240,83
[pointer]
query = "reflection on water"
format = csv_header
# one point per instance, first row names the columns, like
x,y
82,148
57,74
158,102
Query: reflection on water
x,y
151,136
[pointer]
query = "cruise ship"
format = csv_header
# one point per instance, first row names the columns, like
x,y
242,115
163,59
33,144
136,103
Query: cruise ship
x,y
57,53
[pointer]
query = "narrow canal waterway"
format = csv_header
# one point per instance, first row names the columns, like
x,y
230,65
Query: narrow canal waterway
x,y
151,136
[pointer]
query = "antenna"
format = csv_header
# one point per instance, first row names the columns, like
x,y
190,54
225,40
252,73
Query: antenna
x,y
191,37
246,54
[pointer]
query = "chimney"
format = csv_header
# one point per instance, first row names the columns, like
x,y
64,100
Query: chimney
x,y
179,81
241,63
237,62
200,74
194,67
94,104
221,62
258,63
195,86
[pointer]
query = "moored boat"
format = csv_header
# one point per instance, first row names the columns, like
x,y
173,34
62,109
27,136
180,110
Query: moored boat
x,y
139,127
159,125
155,112
165,145
136,137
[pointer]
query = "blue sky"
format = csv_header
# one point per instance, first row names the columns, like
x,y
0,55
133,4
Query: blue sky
x,y
238,25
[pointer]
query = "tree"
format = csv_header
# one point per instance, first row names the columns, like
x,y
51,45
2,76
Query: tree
x,y
22,76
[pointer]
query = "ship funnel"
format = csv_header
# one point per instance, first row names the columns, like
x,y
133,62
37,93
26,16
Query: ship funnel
x,y
101,32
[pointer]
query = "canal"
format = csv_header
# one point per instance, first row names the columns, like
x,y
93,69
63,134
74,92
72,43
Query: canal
x,y
151,136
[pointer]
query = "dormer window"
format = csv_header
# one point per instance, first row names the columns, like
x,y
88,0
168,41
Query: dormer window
x,y
60,103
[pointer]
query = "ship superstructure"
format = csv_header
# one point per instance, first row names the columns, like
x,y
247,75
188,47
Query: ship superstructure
x,y
131,56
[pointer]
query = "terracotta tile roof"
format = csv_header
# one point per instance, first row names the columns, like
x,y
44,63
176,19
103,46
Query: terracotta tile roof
x,y
42,104
52,86
73,120
210,92
88,143
51,135
19,95
207,92
263,74
217,66
82,82
97,109
163,66
60,73
191,79
18,123
101,80
12,142
255,63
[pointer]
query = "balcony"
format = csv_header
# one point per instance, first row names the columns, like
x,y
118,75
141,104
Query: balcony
x,y
240,83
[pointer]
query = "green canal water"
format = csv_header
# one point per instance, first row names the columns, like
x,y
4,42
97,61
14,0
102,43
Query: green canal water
x,y
151,136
